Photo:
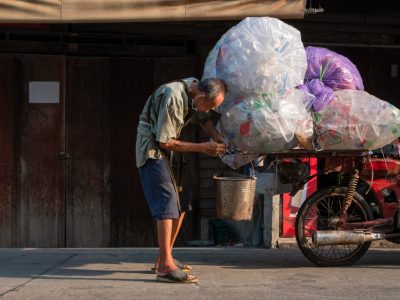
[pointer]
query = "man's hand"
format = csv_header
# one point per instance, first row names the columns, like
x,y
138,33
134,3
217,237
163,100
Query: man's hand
x,y
213,148
218,138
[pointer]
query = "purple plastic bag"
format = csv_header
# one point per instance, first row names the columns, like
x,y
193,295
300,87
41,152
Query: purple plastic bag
x,y
328,71
334,70
323,94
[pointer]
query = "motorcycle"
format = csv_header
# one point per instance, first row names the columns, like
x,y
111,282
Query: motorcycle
x,y
357,202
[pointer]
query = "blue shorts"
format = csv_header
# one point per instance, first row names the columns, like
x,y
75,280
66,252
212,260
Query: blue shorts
x,y
159,189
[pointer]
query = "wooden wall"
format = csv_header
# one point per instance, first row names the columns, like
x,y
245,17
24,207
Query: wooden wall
x,y
107,71
8,190
68,176
41,137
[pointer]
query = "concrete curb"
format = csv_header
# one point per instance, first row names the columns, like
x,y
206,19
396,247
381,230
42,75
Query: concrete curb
x,y
290,243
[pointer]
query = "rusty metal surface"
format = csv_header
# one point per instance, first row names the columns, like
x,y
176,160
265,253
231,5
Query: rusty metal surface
x,y
301,153
377,225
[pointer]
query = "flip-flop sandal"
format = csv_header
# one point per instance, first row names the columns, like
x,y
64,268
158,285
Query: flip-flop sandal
x,y
176,276
182,266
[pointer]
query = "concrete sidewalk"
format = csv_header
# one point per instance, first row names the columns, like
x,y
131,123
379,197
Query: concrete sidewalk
x,y
224,272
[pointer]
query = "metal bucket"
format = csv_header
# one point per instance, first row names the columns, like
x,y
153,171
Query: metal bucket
x,y
235,197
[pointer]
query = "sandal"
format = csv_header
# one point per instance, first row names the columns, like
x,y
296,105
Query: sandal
x,y
177,276
182,266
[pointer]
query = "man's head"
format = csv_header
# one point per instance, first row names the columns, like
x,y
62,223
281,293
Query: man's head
x,y
207,94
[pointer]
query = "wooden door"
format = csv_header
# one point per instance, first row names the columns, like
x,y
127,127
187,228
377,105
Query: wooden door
x,y
132,83
68,174
8,128
41,183
88,153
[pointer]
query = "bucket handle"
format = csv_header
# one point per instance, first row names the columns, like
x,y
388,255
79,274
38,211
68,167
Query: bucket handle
x,y
252,172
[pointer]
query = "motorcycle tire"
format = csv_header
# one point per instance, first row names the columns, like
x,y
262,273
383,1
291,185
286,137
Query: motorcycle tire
x,y
335,255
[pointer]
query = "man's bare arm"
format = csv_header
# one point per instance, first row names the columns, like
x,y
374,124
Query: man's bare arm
x,y
209,148
209,128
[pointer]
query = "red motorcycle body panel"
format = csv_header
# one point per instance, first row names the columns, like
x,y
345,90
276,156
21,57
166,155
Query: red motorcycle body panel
x,y
390,184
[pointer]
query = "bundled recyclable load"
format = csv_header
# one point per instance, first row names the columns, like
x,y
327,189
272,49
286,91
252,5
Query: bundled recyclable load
x,y
356,120
263,60
328,71
257,56
262,125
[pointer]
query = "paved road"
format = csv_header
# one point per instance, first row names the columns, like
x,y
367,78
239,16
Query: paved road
x,y
225,273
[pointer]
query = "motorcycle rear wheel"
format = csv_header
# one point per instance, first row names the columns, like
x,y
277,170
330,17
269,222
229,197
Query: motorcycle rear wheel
x,y
315,214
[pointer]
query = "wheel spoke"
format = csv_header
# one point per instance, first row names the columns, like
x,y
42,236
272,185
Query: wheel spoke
x,y
318,216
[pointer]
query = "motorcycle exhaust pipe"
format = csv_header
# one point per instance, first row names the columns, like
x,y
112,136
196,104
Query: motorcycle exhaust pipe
x,y
347,237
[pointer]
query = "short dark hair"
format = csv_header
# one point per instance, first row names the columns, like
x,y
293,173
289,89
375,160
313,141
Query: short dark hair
x,y
212,87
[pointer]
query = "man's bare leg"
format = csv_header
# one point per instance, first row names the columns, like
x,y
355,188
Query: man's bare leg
x,y
176,226
164,231
166,264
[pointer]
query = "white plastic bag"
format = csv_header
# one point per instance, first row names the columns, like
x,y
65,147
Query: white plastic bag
x,y
356,120
260,55
260,125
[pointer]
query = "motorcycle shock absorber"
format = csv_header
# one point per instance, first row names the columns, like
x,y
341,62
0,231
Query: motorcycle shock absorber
x,y
348,199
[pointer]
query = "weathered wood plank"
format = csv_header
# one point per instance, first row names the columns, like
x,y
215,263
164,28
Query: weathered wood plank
x,y
206,183
42,173
206,193
207,203
208,212
131,81
88,170
7,148
212,163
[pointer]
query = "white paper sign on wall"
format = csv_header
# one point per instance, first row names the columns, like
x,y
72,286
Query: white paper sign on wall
x,y
44,91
